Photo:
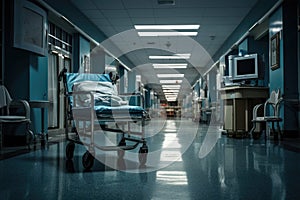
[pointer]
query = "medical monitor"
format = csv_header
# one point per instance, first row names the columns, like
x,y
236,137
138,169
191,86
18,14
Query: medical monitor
x,y
30,27
245,67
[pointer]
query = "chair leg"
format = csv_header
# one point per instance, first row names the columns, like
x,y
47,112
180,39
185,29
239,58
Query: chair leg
x,y
279,130
252,130
274,132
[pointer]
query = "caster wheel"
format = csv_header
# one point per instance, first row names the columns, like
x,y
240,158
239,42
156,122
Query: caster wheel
x,y
143,154
87,160
70,150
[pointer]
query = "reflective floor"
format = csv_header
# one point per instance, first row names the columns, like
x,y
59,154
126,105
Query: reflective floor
x,y
186,161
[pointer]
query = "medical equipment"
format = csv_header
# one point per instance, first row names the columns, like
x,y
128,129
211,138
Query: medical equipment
x,y
92,106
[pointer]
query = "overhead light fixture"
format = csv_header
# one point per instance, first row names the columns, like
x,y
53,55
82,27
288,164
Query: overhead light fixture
x,y
170,81
170,91
157,34
170,86
171,95
166,27
170,75
167,92
175,56
173,66
170,100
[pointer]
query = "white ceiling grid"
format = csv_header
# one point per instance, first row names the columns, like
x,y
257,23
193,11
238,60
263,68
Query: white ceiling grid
x,y
217,19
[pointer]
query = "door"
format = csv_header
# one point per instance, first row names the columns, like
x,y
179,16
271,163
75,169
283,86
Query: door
x,y
56,62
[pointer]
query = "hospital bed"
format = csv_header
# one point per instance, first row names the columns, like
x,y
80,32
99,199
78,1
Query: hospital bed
x,y
92,106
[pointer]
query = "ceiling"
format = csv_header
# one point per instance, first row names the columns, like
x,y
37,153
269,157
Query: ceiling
x,y
116,19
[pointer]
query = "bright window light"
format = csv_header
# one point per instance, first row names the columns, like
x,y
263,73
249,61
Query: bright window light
x,y
175,56
170,75
156,34
167,27
173,66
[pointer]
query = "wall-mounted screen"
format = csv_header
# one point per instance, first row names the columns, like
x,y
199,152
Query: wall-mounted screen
x,y
245,67
30,27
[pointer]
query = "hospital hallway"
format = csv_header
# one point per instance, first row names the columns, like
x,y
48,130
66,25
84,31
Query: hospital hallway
x,y
186,160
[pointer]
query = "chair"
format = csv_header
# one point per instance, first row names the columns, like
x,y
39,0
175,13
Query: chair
x,y
13,114
272,116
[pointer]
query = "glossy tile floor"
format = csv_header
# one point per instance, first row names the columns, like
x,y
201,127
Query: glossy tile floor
x,y
192,163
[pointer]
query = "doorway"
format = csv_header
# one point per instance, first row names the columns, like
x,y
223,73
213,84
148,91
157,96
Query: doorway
x,y
56,62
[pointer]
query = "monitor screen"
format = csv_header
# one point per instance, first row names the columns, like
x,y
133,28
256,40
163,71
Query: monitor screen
x,y
245,67
30,27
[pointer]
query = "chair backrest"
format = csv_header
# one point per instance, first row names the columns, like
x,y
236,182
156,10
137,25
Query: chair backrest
x,y
274,101
5,98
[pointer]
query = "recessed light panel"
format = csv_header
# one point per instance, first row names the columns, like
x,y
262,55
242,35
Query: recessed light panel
x,y
157,34
171,65
167,27
170,75
170,81
175,56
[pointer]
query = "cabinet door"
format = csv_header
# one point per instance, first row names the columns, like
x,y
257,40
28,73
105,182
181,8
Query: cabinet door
x,y
240,109
228,115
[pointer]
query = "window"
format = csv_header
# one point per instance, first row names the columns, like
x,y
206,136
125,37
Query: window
x,y
60,38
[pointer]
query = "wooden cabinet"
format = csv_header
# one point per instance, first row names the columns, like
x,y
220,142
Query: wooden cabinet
x,y
238,105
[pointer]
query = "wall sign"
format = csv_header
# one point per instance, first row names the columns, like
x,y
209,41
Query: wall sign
x,y
275,56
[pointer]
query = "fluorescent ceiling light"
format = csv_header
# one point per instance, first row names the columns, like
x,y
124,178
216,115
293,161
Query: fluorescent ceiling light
x,y
173,66
167,27
171,99
171,86
171,96
170,81
170,91
156,34
170,75
175,56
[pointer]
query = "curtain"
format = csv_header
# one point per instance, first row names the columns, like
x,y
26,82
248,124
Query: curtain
x,y
52,91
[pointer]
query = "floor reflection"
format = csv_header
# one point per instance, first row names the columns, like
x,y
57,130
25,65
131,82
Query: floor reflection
x,y
233,169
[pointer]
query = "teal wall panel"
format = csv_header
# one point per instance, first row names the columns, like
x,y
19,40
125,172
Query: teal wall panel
x,y
38,84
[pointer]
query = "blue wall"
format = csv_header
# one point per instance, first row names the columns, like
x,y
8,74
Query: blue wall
x,y
38,84
25,73
276,76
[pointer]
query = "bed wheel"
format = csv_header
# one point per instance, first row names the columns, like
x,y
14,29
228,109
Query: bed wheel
x,y
87,160
143,154
70,150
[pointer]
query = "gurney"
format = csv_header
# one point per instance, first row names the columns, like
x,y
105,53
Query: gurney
x,y
92,105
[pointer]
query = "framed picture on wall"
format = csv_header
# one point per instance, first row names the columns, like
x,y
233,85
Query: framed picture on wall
x,y
274,57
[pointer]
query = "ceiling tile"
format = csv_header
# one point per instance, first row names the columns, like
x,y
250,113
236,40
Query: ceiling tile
x,y
83,4
118,13
93,14
145,13
108,4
